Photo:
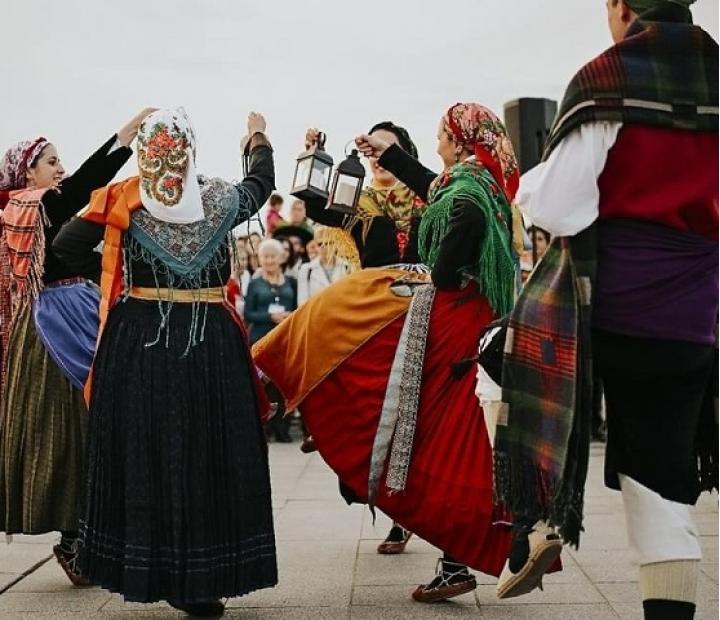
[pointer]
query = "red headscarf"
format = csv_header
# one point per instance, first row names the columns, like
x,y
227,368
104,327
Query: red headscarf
x,y
477,129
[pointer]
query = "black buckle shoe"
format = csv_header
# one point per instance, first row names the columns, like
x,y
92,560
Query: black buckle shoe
x,y
203,609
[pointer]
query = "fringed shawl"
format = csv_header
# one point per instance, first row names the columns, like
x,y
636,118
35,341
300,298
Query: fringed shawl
x,y
183,255
22,261
398,203
112,206
494,268
662,74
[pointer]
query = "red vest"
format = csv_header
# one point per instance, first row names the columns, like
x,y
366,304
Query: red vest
x,y
665,176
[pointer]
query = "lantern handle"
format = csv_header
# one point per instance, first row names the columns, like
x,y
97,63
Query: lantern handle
x,y
351,141
245,158
321,139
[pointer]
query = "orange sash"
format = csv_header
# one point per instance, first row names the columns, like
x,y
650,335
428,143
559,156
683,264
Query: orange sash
x,y
112,206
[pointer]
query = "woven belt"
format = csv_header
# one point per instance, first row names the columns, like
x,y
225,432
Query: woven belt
x,y
65,282
214,295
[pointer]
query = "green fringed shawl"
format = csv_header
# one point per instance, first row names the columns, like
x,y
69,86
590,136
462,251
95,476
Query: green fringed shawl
x,y
494,269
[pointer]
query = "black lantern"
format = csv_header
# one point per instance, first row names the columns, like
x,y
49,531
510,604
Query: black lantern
x,y
312,174
347,185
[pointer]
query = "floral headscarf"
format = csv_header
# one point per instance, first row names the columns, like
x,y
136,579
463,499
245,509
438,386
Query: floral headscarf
x,y
169,188
16,161
477,129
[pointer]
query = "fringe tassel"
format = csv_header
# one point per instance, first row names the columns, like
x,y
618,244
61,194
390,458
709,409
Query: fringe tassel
x,y
24,291
494,269
194,282
528,491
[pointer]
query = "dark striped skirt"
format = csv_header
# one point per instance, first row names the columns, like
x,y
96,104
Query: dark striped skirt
x,y
42,440
178,491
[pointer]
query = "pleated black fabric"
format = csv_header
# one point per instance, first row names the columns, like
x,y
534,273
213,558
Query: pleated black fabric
x,y
42,439
658,426
178,491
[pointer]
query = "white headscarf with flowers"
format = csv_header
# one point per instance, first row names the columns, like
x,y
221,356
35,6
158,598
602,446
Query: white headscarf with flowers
x,y
169,187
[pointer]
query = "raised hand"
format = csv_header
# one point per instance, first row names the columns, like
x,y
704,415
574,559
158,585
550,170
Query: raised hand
x,y
371,146
255,123
127,134
312,135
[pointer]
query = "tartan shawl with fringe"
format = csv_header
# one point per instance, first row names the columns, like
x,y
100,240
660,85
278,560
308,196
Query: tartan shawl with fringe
x,y
663,74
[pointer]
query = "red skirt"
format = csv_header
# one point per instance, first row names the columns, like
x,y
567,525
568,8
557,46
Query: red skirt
x,y
448,498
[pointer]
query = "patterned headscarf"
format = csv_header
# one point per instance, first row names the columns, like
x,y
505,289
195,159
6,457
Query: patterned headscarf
x,y
16,161
478,130
169,188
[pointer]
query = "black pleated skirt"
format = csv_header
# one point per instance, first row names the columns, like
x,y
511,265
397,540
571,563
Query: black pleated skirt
x,y
178,490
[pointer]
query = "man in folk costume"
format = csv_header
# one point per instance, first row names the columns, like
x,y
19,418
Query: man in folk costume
x,y
629,187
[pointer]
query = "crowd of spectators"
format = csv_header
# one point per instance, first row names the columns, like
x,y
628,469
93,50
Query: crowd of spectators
x,y
274,274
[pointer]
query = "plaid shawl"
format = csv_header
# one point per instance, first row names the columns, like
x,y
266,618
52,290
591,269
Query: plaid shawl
x,y
22,261
661,75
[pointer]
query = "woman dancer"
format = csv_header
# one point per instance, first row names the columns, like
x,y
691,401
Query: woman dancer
x,y
49,331
382,232
384,229
422,453
178,494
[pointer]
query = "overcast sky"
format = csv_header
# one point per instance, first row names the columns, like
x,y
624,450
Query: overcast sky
x,y
75,70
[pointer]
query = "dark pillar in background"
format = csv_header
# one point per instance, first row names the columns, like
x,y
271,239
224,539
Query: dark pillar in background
x,y
528,121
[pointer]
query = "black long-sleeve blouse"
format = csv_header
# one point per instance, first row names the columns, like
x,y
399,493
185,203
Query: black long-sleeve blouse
x,y
466,230
74,194
74,245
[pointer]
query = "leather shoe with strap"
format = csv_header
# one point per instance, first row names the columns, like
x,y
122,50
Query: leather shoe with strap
x,y
452,579
395,542
533,551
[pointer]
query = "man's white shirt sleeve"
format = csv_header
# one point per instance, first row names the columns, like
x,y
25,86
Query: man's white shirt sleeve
x,y
561,194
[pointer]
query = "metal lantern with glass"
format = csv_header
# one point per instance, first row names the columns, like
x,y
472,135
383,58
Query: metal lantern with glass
x,y
312,174
347,185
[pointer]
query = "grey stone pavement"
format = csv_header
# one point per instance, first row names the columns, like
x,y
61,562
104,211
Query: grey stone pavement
x,y
329,568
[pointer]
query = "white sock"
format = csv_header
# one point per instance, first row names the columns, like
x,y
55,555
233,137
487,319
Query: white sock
x,y
670,581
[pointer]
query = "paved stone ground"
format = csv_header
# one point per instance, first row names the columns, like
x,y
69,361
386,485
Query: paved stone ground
x,y
329,568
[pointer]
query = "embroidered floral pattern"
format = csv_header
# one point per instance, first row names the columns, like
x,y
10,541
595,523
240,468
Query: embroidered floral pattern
x,y
417,325
188,247
163,152
398,203
475,127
